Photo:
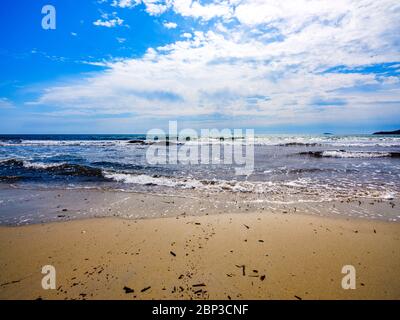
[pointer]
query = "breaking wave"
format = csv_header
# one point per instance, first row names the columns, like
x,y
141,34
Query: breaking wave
x,y
155,180
350,154
293,189
266,140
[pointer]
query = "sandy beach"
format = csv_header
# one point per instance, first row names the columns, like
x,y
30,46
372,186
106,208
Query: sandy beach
x,y
200,150
251,255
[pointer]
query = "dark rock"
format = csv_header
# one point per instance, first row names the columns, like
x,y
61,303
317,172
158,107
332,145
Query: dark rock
x,y
387,132
136,141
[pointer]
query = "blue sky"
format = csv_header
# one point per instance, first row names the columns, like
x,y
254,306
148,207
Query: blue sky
x,y
126,66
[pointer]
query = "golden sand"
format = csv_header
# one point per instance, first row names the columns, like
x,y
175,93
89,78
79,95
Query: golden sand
x,y
227,256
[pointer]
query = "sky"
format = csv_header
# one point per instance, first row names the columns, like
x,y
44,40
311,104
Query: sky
x,y
128,66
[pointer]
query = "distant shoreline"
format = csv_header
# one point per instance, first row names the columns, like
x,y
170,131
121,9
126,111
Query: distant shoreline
x,y
387,132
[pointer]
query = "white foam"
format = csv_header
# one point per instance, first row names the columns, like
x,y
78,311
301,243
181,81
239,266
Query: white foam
x,y
295,189
41,165
332,140
144,179
354,154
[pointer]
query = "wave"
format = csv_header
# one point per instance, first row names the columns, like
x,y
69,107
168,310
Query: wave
x,y
155,180
315,170
76,170
299,144
62,143
10,179
287,171
350,154
180,182
11,162
65,169
184,183
119,166
266,140
84,143
294,189
41,165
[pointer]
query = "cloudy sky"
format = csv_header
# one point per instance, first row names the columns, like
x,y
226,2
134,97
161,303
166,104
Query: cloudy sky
x,y
126,66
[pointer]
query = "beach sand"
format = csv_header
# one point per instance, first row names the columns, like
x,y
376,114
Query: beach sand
x,y
258,255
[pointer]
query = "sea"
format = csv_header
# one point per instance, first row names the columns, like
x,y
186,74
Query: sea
x,y
286,167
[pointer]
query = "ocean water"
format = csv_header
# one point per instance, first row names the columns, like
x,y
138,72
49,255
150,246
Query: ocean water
x,y
286,167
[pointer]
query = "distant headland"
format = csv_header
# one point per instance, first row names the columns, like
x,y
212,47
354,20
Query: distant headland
x,y
388,132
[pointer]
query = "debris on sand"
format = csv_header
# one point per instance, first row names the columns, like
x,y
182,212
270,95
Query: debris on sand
x,y
145,289
243,269
173,253
199,285
128,290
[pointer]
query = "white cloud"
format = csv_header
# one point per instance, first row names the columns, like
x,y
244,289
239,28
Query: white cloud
x,y
189,8
186,8
156,7
109,20
125,3
170,25
259,59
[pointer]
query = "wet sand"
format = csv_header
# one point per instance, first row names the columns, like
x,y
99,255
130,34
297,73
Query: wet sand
x,y
252,255
19,206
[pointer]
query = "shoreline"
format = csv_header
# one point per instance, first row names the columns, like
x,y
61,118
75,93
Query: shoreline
x,y
286,256
20,206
